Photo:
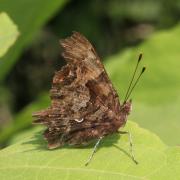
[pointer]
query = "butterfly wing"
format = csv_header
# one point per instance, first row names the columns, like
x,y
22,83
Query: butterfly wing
x,y
79,52
84,103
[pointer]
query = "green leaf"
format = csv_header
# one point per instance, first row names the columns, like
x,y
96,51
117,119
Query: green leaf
x,y
29,159
156,99
30,16
8,33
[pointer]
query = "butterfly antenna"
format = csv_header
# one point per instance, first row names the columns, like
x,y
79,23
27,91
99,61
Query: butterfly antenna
x,y
130,84
137,80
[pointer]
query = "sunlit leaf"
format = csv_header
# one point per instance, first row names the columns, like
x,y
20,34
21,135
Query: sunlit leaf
x,y
8,33
30,159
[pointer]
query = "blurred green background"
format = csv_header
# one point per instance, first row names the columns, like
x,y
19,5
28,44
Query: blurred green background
x,y
119,30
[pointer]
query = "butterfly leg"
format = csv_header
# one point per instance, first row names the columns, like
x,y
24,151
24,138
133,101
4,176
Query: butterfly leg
x,y
94,150
130,144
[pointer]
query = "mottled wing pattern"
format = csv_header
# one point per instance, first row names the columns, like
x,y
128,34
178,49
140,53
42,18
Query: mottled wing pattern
x,y
82,97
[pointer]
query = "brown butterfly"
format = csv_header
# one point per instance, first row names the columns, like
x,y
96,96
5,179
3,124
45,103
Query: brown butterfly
x,y
84,104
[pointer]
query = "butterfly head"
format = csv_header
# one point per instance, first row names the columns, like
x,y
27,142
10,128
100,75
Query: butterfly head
x,y
125,110
126,107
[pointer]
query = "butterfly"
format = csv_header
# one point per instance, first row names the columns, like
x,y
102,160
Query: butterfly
x,y
84,104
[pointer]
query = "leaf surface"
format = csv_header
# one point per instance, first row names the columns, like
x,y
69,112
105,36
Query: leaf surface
x,y
30,159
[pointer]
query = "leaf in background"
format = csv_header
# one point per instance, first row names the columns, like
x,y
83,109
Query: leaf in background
x,y
30,16
8,33
30,159
156,98
24,118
